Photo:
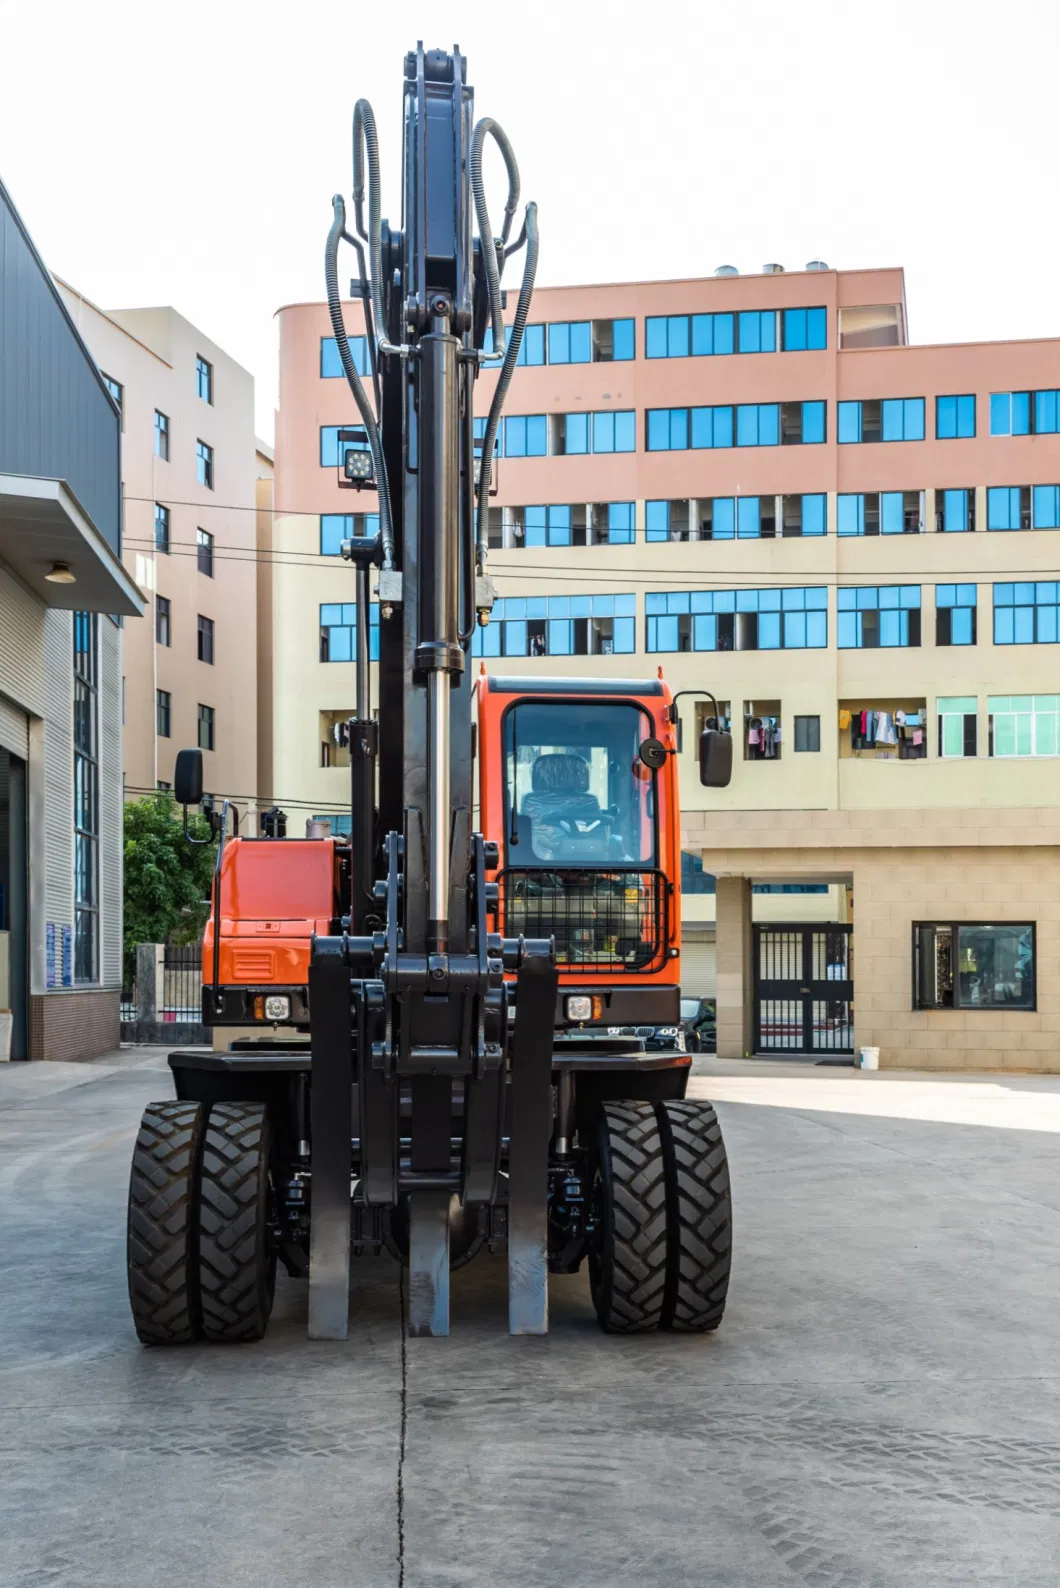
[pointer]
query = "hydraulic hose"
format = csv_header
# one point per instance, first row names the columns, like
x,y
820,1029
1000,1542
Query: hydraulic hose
x,y
331,276
488,127
511,353
366,145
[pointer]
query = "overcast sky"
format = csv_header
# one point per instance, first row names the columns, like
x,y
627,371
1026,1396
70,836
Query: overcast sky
x,y
187,154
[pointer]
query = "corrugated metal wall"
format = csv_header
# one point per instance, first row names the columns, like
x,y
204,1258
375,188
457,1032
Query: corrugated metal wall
x,y
57,420
21,643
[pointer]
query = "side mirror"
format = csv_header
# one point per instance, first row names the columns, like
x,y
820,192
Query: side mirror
x,y
653,753
715,758
187,777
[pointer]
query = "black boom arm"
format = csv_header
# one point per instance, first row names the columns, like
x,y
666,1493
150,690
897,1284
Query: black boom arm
x,y
417,1067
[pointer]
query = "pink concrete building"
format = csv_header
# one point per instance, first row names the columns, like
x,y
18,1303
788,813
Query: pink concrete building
x,y
703,474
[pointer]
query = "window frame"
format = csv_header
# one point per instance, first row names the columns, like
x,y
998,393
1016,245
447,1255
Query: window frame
x,y
204,376
161,435
956,1007
206,717
163,621
806,749
204,461
205,639
956,434
163,704
204,551
163,522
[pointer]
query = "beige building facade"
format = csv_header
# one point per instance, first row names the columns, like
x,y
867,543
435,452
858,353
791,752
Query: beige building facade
x,y
757,484
190,471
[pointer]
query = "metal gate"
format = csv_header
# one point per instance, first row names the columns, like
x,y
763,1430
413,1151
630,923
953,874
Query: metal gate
x,y
804,989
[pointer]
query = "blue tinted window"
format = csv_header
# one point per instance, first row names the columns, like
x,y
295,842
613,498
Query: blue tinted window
x,y
1045,413
1003,507
532,346
851,514
805,328
623,345
1047,507
615,432
712,427
813,423
330,446
724,518
330,362
954,417
877,615
334,529
570,342
677,335
954,510
892,514
849,422
724,333
748,521
703,334
688,620
757,330
814,514
620,523
655,336
667,429
337,631
758,425
657,520
1026,613
576,432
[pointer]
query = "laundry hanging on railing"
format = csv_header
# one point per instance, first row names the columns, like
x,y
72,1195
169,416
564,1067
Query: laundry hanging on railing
x,y
884,730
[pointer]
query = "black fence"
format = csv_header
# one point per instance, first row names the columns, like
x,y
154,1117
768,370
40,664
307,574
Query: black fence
x,y
181,1000
611,921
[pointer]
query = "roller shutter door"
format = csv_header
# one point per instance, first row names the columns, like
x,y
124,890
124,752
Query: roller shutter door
x,y
699,964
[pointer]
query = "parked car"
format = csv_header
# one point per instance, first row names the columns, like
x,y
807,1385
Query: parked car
x,y
655,1038
699,1022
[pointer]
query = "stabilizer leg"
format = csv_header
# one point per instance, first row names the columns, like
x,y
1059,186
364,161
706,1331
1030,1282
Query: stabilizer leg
x,y
531,1130
332,1127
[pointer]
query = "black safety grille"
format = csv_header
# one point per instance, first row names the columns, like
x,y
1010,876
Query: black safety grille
x,y
613,921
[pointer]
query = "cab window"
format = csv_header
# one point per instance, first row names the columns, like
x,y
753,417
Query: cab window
x,y
577,792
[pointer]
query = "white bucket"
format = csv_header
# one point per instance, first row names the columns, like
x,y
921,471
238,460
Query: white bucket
x,y
869,1059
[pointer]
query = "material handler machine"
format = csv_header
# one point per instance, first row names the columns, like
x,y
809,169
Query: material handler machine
x,y
463,1087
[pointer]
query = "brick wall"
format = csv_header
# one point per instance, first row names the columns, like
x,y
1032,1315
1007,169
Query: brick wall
x,y
892,888
73,1025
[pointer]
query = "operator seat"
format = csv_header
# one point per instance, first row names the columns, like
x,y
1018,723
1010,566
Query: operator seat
x,y
566,822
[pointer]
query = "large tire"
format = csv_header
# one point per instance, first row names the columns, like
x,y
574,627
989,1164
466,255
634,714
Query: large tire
x,y
628,1260
163,1224
237,1258
699,1216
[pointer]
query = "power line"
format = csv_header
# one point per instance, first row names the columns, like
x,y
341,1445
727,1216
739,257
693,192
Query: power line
x,y
752,580
253,799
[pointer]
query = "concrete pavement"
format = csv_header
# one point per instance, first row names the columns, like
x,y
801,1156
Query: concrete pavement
x,y
880,1408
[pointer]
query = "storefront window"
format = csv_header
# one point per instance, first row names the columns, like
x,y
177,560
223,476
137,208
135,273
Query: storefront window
x,y
974,966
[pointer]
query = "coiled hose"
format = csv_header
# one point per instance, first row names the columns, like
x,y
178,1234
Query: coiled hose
x,y
366,144
511,353
331,276
487,127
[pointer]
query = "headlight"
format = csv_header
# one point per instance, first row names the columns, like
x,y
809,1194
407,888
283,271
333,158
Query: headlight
x,y
277,1008
579,1008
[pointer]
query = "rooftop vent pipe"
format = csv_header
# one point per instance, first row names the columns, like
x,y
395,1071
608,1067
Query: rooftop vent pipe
x,y
726,270
816,264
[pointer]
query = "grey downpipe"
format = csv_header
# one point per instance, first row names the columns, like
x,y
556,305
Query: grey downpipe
x,y
503,382
331,275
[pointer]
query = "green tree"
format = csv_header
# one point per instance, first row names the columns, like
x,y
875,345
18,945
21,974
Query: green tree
x,y
167,880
